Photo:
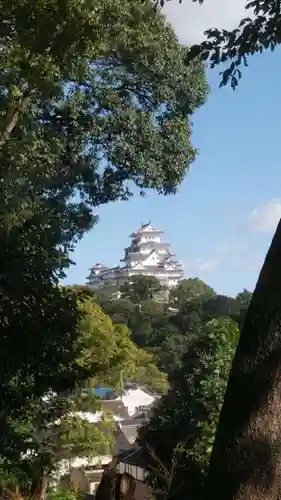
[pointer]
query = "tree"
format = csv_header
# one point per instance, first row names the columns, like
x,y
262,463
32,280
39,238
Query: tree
x,y
167,333
63,494
190,289
115,83
256,33
140,288
244,297
170,351
53,429
188,414
138,365
150,376
50,430
56,433
101,102
221,306
243,300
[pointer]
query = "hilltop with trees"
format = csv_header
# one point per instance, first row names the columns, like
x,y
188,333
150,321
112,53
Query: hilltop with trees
x,y
194,344
165,329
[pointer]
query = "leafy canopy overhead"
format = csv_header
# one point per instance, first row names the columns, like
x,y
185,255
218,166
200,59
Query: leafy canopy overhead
x,y
255,33
103,101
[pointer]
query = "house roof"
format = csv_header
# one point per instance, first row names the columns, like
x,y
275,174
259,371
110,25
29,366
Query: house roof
x,y
134,398
137,255
94,475
133,456
116,406
131,422
130,432
87,496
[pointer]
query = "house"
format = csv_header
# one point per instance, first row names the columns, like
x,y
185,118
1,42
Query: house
x,y
129,411
83,479
129,465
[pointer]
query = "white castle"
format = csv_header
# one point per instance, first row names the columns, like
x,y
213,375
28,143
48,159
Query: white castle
x,y
146,256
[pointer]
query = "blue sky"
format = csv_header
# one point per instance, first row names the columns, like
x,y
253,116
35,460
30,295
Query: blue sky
x,y
222,219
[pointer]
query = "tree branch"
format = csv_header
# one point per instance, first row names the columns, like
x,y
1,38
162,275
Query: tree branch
x,y
13,118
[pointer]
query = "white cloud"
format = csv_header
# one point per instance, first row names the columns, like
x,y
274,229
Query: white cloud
x,y
200,265
190,20
252,261
227,256
265,218
206,265
225,248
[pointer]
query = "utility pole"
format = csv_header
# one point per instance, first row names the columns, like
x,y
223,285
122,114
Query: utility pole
x,y
121,384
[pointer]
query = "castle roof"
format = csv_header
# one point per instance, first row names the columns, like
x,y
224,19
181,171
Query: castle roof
x,y
145,228
98,266
104,272
159,269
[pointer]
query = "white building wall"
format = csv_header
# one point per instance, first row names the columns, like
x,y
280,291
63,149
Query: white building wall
x,y
145,238
145,250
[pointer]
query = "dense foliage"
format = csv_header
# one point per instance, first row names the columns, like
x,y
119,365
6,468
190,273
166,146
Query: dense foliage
x,y
55,429
188,415
165,328
141,288
194,336
63,494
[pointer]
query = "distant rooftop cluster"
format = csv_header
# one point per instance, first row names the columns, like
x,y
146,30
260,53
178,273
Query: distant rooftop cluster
x,y
146,255
130,411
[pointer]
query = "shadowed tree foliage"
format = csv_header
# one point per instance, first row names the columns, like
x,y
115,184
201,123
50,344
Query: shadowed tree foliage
x,y
257,32
53,429
140,288
187,416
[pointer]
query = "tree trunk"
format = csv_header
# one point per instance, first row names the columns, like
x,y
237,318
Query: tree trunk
x,y
13,118
38,489
246,459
